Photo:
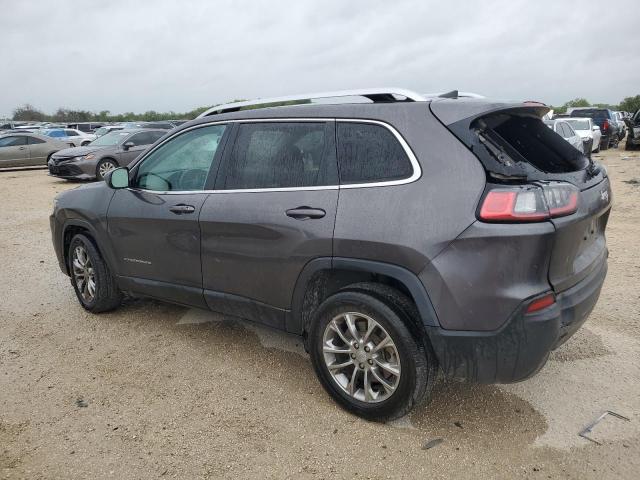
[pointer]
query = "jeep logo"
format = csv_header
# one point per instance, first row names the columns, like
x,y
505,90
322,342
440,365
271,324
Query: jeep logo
x,y
604,195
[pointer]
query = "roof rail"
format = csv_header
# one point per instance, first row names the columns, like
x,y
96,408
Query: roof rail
x,y
382,95
453,94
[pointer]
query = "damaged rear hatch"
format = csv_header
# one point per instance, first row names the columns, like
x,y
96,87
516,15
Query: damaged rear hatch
x,y
533,174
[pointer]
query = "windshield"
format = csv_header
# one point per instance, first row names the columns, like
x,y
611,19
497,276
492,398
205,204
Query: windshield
x,y
112,138
579,124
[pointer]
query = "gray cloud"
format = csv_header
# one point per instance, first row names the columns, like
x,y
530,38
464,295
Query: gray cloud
x,y
177,55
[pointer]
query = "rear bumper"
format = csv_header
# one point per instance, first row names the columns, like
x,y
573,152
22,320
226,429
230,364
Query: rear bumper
x,y
520,348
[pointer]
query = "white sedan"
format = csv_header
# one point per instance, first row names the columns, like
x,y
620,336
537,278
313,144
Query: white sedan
x,y
587,130
566,131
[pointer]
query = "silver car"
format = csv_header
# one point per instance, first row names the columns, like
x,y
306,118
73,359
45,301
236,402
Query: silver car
x,y
28,149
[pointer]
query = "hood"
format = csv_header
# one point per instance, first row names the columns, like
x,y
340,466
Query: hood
x,y
77,151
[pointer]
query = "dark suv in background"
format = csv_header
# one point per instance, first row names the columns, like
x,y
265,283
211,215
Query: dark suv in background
x,y
398,237
606,120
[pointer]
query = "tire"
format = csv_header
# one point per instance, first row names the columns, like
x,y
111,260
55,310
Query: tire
x,y
597,150
84,144
105,295
417,365
105,166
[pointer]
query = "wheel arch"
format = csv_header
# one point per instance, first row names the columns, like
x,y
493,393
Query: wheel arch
x,y
322,277
76,226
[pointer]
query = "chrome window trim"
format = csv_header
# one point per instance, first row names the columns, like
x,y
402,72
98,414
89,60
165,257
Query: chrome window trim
x,y
417,170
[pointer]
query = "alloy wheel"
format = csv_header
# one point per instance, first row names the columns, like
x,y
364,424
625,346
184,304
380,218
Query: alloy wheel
x,y
84,274
361,357
105,167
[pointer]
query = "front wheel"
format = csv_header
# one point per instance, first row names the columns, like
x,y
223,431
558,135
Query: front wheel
x,y
366,358
104,167
92,281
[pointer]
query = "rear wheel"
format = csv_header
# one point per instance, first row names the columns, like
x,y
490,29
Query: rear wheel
x,y
366,357
104,167
92,281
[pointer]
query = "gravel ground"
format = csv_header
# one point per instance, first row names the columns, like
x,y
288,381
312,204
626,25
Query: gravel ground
x,y
159,391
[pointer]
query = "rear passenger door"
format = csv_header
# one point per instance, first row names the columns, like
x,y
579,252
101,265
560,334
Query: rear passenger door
x,y
39,150
140,143
273,210
14,151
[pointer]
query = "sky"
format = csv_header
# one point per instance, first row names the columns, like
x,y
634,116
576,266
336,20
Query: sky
x,y
178,55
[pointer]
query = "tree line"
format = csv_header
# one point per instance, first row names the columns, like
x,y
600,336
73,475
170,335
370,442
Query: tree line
x,y
28,112
629,104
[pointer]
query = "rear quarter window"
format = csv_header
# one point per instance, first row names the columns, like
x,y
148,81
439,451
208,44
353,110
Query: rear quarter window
x,y
368,153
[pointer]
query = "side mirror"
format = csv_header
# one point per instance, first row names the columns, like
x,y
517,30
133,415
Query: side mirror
x,y
128,145
118,178
595,128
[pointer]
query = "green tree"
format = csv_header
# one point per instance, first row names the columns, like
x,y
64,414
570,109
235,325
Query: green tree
x,y
630,104
29,113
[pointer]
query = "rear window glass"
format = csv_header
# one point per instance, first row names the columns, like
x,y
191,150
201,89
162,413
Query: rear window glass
x,y
579,124
591,113
527,139
370,153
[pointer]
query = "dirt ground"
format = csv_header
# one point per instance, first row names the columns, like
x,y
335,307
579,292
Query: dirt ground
x,y
159,391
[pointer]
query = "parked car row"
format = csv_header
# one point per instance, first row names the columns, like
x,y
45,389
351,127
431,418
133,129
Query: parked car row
x,y
610,123
17,139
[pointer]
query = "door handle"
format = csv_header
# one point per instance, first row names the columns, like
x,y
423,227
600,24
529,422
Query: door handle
x,y
305,213
181,209
22,148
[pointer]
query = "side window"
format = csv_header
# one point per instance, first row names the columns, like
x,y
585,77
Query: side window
x,y
34,140
282,155
12,141
569,130
182,163
370,153
155,136
71,133
140,139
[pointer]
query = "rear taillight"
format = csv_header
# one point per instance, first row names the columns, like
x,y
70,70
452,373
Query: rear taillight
x,y
529,203
605,125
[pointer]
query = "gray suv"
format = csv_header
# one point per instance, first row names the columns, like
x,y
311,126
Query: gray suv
x,y
400,237
93,161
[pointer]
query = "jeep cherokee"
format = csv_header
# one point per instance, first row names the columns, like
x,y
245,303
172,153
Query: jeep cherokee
x,y
400,237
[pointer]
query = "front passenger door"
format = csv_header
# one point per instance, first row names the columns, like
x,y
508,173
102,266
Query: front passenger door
x,y
153,224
